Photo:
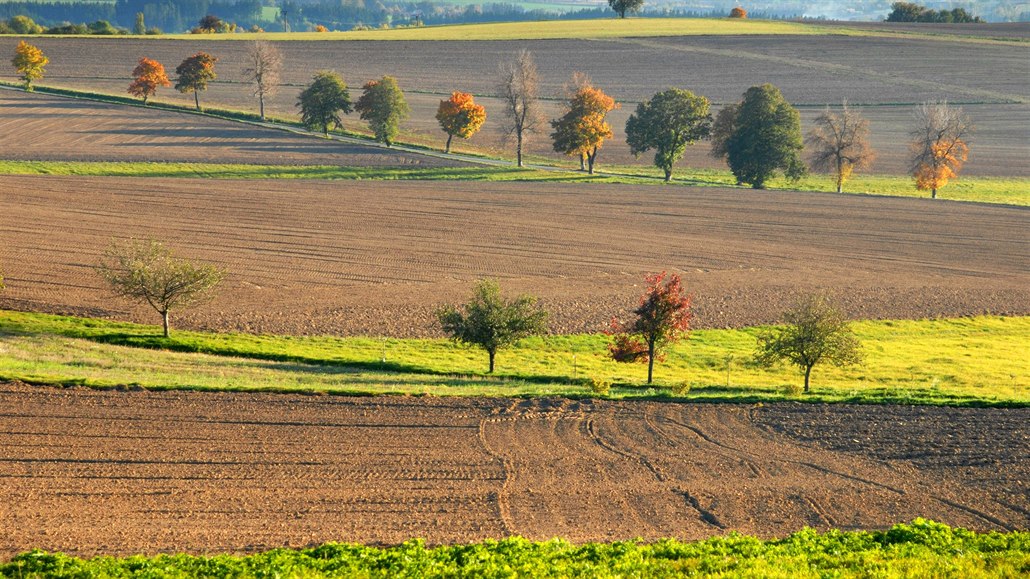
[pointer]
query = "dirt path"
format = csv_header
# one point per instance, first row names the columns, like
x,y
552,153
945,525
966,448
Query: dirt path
x,y
93,472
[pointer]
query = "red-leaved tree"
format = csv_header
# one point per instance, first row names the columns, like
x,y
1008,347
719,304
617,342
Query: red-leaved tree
x,y
661,319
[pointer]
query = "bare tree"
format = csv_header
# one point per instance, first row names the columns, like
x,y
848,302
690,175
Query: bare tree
x,y
518,88
839,144
939,144
147,272
265,66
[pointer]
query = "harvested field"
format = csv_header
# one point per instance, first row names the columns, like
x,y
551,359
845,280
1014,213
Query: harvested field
x,y
50,128
989,80
377,258
90,472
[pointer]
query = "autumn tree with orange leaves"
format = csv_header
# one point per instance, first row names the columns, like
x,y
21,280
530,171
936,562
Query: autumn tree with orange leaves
x,y
661,319
939,145
583,129
29,61
738,12
146,78
460,116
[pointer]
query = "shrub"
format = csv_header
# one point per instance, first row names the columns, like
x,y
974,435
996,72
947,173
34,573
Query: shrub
x,y
738,12
600,386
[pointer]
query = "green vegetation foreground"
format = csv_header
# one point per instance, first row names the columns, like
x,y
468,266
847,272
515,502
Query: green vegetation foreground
x,y
920,549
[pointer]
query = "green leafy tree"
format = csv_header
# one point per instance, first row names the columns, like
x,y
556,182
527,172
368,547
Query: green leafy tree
x,y
323,100
147,272
623,7
492,322
814,331
194,73
23,25
30,62
382,104
140,27
668,122
766,138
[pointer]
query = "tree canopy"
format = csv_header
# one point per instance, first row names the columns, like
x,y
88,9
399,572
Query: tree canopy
x,y
263,70
662,318
839,144
491,322
519,84
668,122
623,7
460,116
30,62
194,73
766,138
323,100
382,104
583,129
146,78
939,145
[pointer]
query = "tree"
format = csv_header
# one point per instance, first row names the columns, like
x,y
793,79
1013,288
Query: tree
x,y
662,319
211,24
140,27
29,61
839,144
23,25
939,145
668,122
621,7
722,129
194,73
323,100
518,88
146,77
491,322
382,104
583,129
738,12
147,272
766,138
265,65
814,330
460,116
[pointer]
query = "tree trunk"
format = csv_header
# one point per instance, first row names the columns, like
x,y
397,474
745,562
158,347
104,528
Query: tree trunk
x,y
591,158
518,149
196,98
668,174
448,148
840,175
492,354
808,374
582,161
650,361
261,101
164,319
933,193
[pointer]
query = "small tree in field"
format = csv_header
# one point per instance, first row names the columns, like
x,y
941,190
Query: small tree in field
x,y
194,74
814,331
146,78
939,145
491,322
582,130
460,116
668,122
662,319
323,100
147,272
839,144
263,70
622,7
738,12
382,104
29,61
518,87
766,138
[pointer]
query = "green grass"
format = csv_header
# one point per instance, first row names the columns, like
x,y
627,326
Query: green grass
x,y
1005,190
979,361
920,549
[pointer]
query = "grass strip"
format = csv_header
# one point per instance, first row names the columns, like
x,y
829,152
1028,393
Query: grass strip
x,y
977,361
999,190
919,549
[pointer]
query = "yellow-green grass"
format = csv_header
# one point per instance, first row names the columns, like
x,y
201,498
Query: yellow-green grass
x,y
981,360
586,29
1004,190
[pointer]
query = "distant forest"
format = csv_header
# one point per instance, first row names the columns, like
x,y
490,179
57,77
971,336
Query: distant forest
x,y
275,15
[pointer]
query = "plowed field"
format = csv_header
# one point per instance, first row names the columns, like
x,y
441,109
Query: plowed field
x,y
378,257
91,472
888,74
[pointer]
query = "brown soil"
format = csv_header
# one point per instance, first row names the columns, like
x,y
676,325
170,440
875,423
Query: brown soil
x,y
378,257
90,472
813,71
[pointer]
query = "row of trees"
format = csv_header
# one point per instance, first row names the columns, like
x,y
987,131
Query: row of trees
x,y
815,331
758,138
912,12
